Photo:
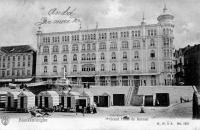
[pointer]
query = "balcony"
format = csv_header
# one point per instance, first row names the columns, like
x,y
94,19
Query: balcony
x,y
136,59
45,63
153,58
55,52
113,60
88,61
75,51
124,59
65,51
153,71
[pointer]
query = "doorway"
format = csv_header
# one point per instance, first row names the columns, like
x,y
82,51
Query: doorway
x,y
22,102
103,101
69,102
118,99
9,102
62,101
46,102
148,101
162,99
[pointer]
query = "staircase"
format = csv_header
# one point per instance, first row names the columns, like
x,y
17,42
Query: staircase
x,y
129,95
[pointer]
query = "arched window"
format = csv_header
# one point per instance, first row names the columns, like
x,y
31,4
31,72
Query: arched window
x,y
152,43
65,58
54,69
113,67
102,56
45,69
65,48
93,56
113,56
93,46
102,67
55,49
45,49
124,66
83,57
75,57
136,54
102,46
136,44
83,47
136,66
152,54
125,45
153,66
45,59
88,46
55,58
75,47
88,56
74,68
124,55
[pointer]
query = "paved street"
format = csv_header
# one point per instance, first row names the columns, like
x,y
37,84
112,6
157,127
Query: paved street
x,y
183,110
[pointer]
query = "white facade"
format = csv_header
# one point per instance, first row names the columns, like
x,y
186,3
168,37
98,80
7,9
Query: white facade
x,y
133,55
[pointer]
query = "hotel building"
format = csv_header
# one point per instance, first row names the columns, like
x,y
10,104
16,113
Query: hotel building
x,y
17,64
131,55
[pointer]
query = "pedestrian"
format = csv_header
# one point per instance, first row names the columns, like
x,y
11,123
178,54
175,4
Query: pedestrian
x,y
94,108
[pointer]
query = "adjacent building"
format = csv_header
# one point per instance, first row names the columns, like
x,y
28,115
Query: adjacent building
x,y
17,64
192,66
179,65
131,55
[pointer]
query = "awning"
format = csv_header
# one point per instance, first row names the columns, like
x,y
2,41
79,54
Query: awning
x,y
36,84
5,80
23,80
12,85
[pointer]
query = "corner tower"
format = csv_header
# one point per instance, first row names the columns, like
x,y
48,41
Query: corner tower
x,y
166,22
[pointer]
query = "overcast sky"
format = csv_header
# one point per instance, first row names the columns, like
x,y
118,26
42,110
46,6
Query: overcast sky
x,y
18,17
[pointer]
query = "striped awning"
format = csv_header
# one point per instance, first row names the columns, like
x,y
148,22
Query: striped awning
x,y
5,80
23,80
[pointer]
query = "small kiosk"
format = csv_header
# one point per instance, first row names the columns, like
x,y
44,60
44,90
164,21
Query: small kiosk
x,y
26,100
3,96
85,98
68,99
48,99
11,100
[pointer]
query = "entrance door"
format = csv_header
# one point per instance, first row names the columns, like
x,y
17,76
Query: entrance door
x,y
103,101
69,102
96,100
118,99
162,99
9,102
46,102
22,102
148,100
62,101
82,102
40,101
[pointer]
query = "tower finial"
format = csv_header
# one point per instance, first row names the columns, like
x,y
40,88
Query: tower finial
x,y
143,18
165,7
97,25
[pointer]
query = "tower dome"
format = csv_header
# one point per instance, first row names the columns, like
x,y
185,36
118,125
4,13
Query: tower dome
x,y
165,16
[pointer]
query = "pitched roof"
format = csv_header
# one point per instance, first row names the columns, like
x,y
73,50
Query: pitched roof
x,y
17,49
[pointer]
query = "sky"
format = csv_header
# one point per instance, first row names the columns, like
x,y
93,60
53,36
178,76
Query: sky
x,y
18,18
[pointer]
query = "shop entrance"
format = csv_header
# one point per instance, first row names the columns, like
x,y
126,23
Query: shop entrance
x,y
118,99
89,80
162,99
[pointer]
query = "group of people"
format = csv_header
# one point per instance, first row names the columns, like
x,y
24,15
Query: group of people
x,y
91,109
